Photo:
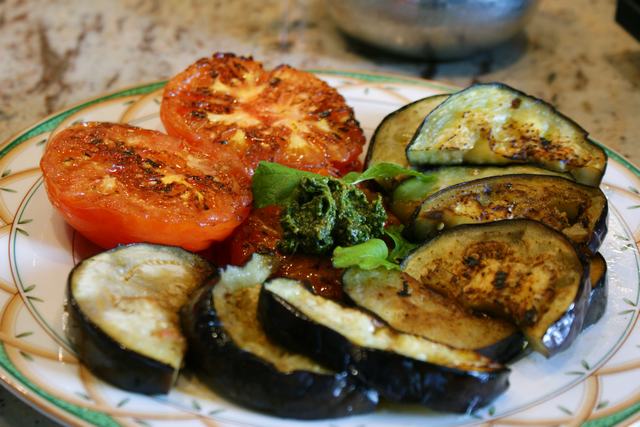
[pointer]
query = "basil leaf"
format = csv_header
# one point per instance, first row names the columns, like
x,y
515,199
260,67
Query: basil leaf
x,y
384,170
368,255
273,183
401,246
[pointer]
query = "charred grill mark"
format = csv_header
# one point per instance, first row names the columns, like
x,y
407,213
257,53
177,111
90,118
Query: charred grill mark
x,y
203,90
500,280
211,181
151,163
528,144
167,188
471,261
405,291
240,70
144,173
530,317
435,215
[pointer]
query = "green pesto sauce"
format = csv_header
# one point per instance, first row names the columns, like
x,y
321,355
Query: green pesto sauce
x,y
326,213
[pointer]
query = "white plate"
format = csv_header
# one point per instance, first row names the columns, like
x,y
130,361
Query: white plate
x,y
597,379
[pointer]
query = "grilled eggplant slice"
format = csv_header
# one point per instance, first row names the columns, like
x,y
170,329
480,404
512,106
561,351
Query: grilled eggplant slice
x,y
520,270
232,354
599,290
401,367
123,309
578,211
496,124
405,305
410,194
393,134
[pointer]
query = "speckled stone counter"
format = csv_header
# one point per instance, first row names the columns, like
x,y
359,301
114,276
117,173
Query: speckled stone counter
x,y
57,53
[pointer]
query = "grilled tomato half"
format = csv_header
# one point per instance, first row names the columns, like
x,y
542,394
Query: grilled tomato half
x,y
285,115
118,184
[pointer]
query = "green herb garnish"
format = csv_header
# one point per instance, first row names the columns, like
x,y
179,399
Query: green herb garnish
x,y
273,183
384,171
368,256
401,246
325,213
374,253
322,212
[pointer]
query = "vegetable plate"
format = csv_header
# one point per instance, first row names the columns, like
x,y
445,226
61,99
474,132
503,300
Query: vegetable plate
x,y
594,381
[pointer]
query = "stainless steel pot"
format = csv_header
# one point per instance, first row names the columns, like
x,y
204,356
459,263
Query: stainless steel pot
x,y
436,29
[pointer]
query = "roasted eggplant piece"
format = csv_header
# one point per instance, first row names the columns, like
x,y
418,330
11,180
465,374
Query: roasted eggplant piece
x,y
494,124
123,308
401,367
393,134
599,290
410,194
578,211
390,139
231,353
520,270
406,305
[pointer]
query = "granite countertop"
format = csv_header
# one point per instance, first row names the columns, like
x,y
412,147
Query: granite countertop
x,y
57,53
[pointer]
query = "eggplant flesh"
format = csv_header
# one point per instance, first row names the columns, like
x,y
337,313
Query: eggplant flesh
x,y
395,131
599,290
578,211
231,353
407,306
496,124
409,195
520,270
123,307
401,367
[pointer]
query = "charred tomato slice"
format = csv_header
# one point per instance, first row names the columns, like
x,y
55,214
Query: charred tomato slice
x,y
116,184
232,103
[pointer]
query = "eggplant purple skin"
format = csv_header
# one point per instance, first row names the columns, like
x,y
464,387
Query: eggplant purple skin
x,y
250,381
501,351
505,350
401,379
599,231
374,137
109,360
539,101
395,377
588,248
598,297
561,334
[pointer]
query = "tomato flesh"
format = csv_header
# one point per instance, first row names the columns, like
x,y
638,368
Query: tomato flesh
x,y
120,184
261,232
284,115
